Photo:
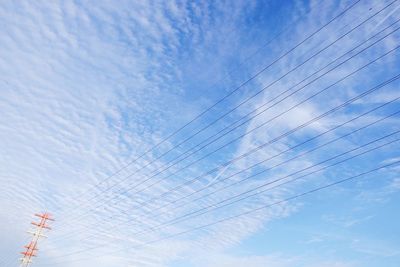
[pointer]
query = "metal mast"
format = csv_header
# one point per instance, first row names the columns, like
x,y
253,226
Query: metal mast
x,y
37,234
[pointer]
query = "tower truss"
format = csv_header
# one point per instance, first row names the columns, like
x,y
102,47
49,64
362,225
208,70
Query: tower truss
x,y
37,233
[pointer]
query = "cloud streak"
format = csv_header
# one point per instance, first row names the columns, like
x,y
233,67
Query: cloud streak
x,y
87,88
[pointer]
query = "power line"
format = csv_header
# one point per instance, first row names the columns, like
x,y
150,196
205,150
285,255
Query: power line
x,y
270,101
257,114
282,201
263,145
328,112
221,100
259,208
283,152
215,206
249,131
280,164
251,97
283,112
282,93
274,156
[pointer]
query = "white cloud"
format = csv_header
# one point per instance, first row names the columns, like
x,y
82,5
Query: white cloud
x,y
86,88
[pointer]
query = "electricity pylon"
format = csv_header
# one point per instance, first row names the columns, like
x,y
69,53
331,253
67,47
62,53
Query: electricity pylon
x,y
37,233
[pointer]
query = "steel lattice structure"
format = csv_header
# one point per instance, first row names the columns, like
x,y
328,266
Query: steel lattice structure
x,y
37,233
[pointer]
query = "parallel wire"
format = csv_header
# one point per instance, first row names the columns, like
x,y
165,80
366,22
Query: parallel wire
x,y
247,120
215,206
239,137
266,44
275,156
249,98
257,109
322,115
170,136
164,169
263,162
282,93
308,192
251,210
276,139
217,103
271,168
279,202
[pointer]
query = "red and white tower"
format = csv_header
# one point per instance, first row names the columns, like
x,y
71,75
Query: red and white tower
x,y
37,233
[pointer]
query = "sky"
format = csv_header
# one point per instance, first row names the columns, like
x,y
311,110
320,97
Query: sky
x,y
201,133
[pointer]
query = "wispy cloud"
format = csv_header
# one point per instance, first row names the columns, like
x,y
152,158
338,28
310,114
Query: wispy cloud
x,y
85,89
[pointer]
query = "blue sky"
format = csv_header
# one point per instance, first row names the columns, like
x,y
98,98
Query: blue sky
x,y
87,88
